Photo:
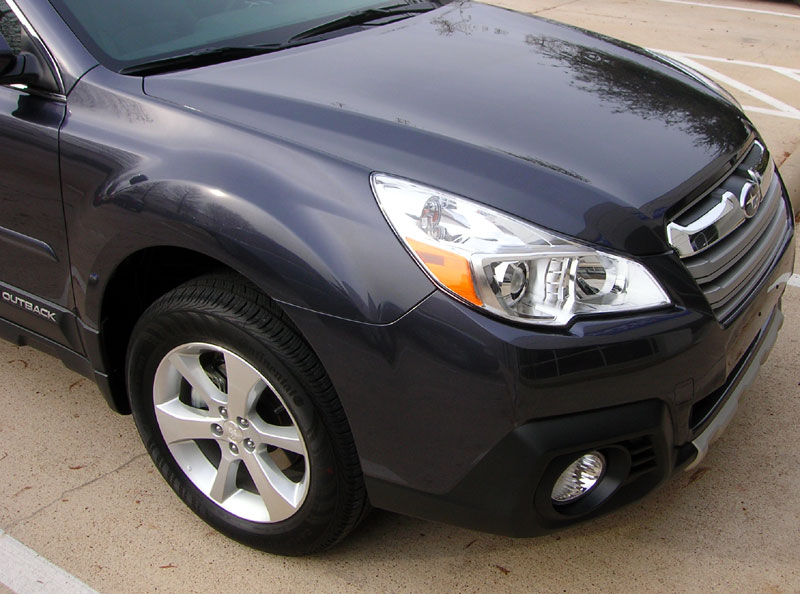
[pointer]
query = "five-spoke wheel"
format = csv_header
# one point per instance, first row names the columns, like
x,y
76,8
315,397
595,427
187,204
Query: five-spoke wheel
x,y
230,431
241,419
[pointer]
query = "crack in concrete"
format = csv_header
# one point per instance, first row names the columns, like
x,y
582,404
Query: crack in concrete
x,y
554,7
69,491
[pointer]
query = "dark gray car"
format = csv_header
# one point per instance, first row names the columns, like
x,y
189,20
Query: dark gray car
x,y
435,257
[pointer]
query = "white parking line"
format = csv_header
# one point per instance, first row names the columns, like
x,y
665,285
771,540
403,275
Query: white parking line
x,y
783,69
756,10
780,108
793,73
794,281
24,571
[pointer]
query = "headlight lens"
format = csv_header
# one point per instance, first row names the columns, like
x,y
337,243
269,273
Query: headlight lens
x,y
506,265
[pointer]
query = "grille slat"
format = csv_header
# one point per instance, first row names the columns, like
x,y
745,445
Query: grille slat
x,y
708,265
732,265
643,457
749,268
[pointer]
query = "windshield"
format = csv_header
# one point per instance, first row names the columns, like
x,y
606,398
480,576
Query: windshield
x,y
123,33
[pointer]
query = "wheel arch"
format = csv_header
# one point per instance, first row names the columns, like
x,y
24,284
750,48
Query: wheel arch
x,y
136,282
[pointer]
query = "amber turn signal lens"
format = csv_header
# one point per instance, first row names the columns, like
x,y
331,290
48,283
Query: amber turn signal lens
x,y
451,270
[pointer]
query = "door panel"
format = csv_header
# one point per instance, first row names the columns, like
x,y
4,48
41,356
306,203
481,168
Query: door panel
x,y
34,263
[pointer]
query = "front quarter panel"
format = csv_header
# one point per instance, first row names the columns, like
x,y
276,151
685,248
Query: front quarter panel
x,y
138,172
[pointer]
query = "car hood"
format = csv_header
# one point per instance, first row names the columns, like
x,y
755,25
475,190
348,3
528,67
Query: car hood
x,y
569,129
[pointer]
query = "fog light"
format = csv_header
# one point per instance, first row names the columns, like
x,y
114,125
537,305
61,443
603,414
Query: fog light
x,y
579,478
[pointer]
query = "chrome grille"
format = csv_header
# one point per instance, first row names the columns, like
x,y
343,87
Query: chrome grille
x,y
732,236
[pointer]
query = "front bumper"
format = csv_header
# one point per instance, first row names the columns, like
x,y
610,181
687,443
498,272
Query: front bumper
x,y
461,418
744,376
508,491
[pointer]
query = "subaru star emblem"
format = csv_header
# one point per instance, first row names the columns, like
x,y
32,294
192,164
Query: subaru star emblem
x,y
750,197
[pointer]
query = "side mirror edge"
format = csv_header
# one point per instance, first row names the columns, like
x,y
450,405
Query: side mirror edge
x,y
23,70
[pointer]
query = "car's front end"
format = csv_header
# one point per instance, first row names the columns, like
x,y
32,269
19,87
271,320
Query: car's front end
x,y
473,419
606,251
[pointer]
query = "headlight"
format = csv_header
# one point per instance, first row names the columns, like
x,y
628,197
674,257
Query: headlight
x,y
506,265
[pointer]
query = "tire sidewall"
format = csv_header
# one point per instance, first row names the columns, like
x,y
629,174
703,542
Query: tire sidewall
x,y
159,332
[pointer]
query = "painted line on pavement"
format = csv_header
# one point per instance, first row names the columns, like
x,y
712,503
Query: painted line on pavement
x,y
794,281
779,108
25,571
782,69
793,73
738,8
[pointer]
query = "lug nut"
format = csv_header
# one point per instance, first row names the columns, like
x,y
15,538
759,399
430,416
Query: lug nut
x,y
223,412
216,429
249,445
234,448
243,423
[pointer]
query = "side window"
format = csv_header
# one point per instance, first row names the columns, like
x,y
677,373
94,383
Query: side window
x,y
10,27
19,41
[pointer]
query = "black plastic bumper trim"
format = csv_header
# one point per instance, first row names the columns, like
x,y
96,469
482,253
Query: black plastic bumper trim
x,y
508,490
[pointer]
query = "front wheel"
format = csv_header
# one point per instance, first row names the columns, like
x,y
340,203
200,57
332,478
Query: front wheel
x,y
241,419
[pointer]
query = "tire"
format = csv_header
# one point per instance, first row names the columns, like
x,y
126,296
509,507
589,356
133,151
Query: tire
x,y
241,419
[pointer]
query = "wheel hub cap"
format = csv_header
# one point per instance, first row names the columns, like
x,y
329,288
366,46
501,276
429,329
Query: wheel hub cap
x,y
233,432
256,467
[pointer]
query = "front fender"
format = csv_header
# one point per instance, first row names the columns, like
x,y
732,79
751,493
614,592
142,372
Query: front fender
x,y
302,225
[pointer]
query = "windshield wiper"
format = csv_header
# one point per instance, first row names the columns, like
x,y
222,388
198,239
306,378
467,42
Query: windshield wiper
x,y
214,55
201,57
362,17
